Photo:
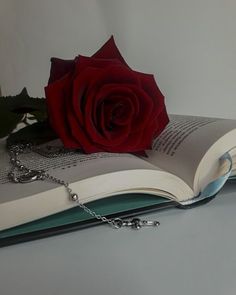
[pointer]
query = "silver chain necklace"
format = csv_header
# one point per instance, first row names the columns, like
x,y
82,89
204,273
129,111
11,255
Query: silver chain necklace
x,y
20,173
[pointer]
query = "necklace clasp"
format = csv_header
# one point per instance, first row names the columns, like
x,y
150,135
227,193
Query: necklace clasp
x,y
27,177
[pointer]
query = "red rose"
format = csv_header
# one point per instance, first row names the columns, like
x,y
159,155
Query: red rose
x,y
99,104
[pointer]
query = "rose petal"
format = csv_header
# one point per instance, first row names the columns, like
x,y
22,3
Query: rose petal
x,y
81,114
56,94
81,85
130,144
121,111
94,132
102,126
112,127
159,113
59,68
83,62
91,79
78,132
146,108
118,94
110,51
98,129
161,121
149,85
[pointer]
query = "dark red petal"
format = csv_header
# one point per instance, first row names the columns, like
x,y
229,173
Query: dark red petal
x,y
122,111
158,119
138,141
110,51
95,121
59,68
113,127
161,121
104,118
159,113
130,144
115,74
90,81
149,85
118,93
80,88
81,112
83,62
93,130
56,95
152,129
78,131
145,110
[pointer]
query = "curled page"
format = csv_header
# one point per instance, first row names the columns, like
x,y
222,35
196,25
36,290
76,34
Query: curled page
x,y
214,186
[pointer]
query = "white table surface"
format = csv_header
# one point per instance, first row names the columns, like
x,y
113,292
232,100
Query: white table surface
x,y
192,252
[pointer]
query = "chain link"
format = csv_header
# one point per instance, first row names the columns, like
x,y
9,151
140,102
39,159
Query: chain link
x,y
26,175
74,197
29,175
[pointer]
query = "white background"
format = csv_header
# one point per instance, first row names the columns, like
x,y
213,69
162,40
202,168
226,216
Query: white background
x,y
189,45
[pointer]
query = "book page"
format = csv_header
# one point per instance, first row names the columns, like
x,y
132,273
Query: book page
x,y
185,141
70,167
92,177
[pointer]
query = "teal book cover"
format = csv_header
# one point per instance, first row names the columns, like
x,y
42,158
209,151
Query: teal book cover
x,y
126,205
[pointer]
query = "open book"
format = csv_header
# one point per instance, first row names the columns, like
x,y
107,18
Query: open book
x,y
189,162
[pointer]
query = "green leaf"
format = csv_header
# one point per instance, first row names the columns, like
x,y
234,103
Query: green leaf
x,y
38,116
36,133
13,109
23,103
8,122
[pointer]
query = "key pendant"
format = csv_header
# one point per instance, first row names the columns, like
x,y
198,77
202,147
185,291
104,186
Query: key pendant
x,y
136,223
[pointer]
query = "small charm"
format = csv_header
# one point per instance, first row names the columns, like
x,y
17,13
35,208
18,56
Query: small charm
x,y
135,223
74,197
